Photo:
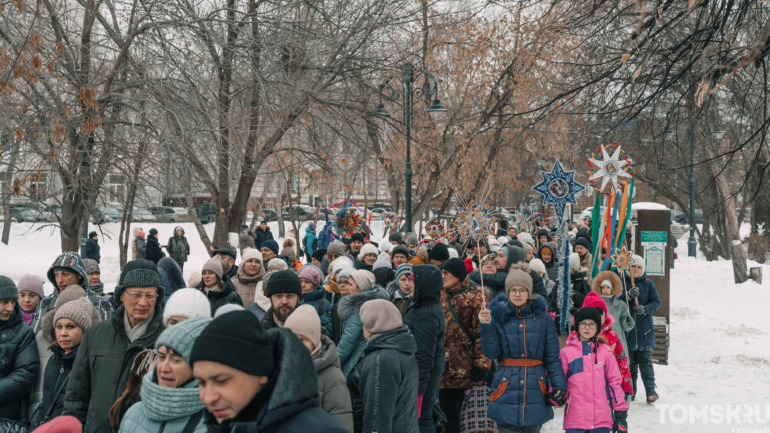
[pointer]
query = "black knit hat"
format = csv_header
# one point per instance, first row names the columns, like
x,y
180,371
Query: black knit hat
x,y
404,251
439,252
583,242
358,236
515,242
588,313
516,255
456,267
318,255
283,282
238,340
139,273
396,237
92,234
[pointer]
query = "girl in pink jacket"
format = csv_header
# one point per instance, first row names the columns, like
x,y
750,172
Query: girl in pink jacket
x,y
593,380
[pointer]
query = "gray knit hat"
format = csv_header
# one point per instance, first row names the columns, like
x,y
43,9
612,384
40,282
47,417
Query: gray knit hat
x,y
411,238
214,265
380,315
182,335
79,311
91,266
336,247
364,279
138,273
518,278
8,289
71,293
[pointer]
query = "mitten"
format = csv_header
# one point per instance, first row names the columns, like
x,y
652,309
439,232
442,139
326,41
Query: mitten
x,y
620,425
556,398
478,375
639,309
633,292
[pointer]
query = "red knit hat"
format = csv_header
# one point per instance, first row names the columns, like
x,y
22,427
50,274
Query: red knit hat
x,y
61,424
469,264
593,299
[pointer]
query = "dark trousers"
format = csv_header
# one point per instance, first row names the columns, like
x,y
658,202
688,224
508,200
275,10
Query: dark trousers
x,y
431,395
518,429
451,401
639,360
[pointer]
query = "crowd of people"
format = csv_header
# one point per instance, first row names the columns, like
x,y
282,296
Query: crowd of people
x,y
417,334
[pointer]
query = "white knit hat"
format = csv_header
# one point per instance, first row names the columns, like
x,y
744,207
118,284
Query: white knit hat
x,y
637,260
364,279
278,263
187,303
251,253
367,249
574,261
537,265
453,253
339,263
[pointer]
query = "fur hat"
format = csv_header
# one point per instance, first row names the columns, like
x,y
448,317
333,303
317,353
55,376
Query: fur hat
x,y
366,250
339,263
288,242
596,283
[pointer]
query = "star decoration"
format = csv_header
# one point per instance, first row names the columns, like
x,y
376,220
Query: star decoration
x,y
609,168
621,260
558,188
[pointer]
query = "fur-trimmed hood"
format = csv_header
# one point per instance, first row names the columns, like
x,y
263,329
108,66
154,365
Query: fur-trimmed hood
x,y
351,303
503,311
596,283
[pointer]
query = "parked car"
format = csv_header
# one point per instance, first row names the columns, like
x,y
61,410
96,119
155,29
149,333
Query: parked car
x,y
682,217
106,215
301,213
268,215
16,209
35,213
173,215
207,213
142,215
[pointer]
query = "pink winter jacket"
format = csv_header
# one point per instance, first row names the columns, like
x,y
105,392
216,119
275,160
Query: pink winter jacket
x,y
593,384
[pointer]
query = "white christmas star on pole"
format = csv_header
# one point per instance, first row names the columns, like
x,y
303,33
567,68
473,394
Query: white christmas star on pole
x,y
609,168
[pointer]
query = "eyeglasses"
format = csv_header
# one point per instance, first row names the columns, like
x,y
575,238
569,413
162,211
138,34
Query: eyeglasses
x,y
519,292
588,325
138,296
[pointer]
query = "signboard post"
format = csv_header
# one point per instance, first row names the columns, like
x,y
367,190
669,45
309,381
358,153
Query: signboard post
x,y
654,245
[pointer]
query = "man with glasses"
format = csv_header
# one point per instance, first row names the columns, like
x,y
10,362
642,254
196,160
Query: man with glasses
x,y
106,355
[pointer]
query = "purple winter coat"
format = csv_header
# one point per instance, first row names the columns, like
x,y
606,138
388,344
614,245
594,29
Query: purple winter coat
x,y
593,386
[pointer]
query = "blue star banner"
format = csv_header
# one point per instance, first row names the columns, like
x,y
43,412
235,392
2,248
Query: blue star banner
x,y
558,188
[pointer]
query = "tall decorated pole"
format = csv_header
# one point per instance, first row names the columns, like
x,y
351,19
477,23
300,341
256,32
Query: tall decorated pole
x,y
558,188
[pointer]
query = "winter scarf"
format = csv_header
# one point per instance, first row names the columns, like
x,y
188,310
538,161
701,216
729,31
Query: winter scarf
x,y
164,404
138,330
28,317
246,286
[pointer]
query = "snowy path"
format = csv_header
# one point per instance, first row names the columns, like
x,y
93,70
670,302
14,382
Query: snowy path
x,y
719,353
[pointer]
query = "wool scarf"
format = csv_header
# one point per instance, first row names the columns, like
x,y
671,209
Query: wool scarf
x,y
137,330
164,404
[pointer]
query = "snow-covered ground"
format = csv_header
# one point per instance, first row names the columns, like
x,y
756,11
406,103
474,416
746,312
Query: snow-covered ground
x,y
718,355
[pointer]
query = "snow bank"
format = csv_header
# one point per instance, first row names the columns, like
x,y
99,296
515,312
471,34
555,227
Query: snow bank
x,y
648,206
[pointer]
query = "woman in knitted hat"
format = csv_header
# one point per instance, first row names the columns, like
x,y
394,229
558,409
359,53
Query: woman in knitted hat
x,y
65,325
594,383
30,294
335,398
186,304
277,265
519,332
366,257
332,283
356,288
170,400
248,279
400,289
488,264
217,291
315,295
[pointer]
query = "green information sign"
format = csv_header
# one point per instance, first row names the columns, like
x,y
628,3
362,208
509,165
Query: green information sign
x,y
654,238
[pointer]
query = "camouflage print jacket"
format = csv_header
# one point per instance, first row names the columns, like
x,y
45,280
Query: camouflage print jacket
x,y
462,355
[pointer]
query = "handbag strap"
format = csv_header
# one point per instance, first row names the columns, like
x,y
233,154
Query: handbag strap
x,y
457,319
56,396
193,422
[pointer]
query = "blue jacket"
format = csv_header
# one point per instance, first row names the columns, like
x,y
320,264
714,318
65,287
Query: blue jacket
x,y
496,281
324,312
528,333
310,238
642,337
352,341
425,318
170,276
92,251
19,364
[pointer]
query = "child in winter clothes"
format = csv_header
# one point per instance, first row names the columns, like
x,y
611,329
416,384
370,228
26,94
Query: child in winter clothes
x,y
613,341
593,379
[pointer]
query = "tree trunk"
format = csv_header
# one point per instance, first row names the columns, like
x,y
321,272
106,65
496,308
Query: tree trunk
x,y
7,192
124,240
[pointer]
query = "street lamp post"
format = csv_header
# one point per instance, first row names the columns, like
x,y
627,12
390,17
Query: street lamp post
x,y
407,92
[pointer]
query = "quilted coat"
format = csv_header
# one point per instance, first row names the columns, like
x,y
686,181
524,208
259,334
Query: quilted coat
x,y
526,333
642,337
593,385
351,341
19,364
